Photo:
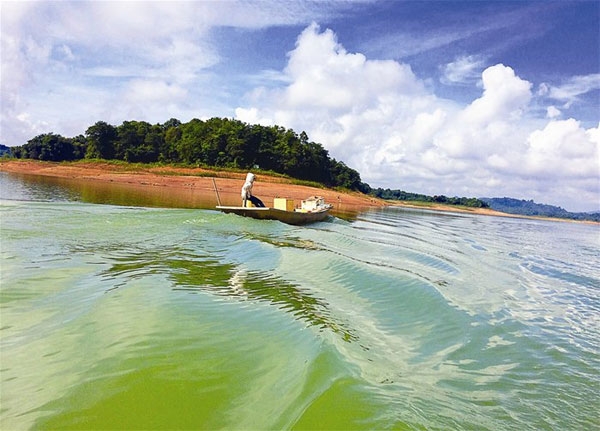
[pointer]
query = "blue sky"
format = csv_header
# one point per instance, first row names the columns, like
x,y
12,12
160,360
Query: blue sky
x,y
468,98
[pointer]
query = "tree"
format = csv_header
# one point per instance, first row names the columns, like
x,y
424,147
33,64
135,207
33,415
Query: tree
x,y
343,176
173,122
101,141
168,151
50,147
138,141
188,146
79,147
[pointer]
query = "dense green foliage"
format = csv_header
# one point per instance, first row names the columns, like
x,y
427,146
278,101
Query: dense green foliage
x,y
400,195
217,142
51,147
530,208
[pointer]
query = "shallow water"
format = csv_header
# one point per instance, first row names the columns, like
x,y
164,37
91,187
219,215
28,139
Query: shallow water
x,y
115,317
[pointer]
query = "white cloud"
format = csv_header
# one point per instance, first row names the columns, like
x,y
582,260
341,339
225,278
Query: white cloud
x,y
252,116
324,75
464,70
336,94
573,88
418,36
113,49
561,150
91,61
382,120
552,112
504,95
147,91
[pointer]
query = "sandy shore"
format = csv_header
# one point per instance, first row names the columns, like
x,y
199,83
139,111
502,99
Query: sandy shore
x,y
201,182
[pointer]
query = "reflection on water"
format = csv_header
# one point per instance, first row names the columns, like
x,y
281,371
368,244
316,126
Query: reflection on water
x,y
46,188
190,272
35,188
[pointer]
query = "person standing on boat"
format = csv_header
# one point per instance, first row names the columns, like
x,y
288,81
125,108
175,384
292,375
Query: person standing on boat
x,y
247,192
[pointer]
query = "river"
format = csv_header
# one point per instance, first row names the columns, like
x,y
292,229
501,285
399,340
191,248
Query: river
x,y
120,316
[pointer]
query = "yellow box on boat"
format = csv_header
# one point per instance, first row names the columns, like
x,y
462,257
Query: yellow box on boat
x,y
249,204
284,204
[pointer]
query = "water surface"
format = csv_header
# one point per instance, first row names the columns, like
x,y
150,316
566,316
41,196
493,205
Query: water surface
x,y
132,317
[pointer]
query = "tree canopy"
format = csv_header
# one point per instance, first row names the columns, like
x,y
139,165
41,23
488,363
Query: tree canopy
x,y
217,142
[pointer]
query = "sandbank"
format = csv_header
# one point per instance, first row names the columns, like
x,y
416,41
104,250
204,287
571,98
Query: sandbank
x,y
208,186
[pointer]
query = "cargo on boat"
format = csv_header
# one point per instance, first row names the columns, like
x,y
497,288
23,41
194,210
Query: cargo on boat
x,y
311,210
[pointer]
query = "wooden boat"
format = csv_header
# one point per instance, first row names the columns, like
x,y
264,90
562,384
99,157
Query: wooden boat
x,y
312,210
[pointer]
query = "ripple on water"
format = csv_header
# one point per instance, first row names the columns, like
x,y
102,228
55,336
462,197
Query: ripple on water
x,y
137,318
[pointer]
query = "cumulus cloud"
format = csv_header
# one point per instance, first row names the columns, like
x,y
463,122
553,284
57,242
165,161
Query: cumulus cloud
x,y
320,66
504,95
562,150
341,97
381,119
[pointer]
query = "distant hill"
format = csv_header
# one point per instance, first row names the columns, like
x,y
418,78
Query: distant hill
x,y
4,150
530,208
401,195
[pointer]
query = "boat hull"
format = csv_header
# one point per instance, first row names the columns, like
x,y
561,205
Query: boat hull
x,y
289,217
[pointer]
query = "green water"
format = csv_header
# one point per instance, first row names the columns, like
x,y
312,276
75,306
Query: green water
x,y
120,317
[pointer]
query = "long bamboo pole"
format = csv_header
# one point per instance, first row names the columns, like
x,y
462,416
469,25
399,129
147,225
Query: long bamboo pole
x,y
216,191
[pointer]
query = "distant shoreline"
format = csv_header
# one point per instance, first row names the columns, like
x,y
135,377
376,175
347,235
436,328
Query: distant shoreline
x,y
228,185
